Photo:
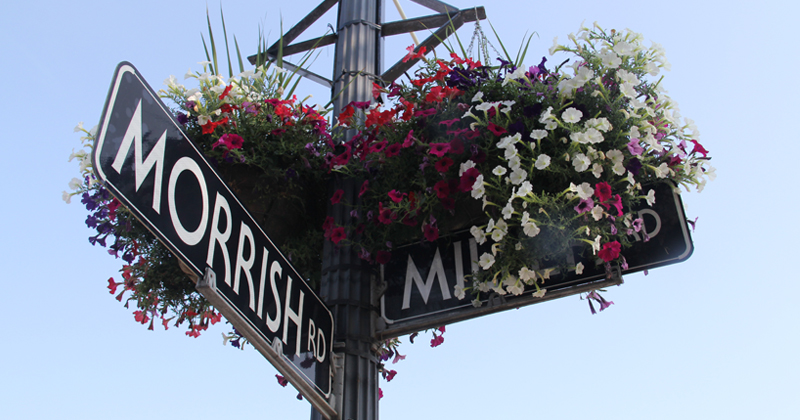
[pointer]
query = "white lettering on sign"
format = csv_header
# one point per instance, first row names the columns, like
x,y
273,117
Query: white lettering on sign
x,y
651,234
142,167
187,164
436,271
220,238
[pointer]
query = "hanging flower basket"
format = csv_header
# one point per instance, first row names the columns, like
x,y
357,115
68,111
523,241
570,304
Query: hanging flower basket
x,y
534,159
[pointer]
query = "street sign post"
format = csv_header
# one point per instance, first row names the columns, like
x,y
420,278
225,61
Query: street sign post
x,y
144,158
420,279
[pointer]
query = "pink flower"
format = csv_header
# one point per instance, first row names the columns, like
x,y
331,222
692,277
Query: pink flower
x,y
281,380
584,206
409,141
437,340
634,148
112,285
442,189
364,188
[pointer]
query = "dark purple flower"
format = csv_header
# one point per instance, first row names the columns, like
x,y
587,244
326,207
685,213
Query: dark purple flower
x,y
634,166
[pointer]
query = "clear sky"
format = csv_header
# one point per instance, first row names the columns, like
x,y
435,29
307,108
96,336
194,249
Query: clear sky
x,y
714,337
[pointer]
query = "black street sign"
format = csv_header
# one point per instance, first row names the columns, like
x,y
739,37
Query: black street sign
x,y
421,278
145,159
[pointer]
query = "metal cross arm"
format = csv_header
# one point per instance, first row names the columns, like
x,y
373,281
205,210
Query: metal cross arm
x,y
448,20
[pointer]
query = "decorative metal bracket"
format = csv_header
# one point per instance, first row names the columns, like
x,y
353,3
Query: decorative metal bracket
x,y
448,20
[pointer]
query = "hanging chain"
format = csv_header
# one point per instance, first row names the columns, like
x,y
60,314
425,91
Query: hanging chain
x,y
483,42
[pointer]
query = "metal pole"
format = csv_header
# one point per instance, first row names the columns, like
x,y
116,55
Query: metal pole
x,y
347,283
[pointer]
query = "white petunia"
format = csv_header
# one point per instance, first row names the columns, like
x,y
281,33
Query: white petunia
x,y
581,162
509,141
597,170
464,166
662,171
508,211
579,268
610,59
597,212
615,155
650,197
539,293
550,125
571,115
499,170
543,161
75,184
527,275
530,228
518,175
584,191
478,234
538,134
67,197
486,261
478,96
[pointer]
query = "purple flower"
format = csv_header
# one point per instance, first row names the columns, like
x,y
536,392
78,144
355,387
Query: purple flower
x,y
634,166
634,148
584,206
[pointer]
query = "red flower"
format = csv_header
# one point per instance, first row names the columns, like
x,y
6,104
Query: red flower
x,y
442,189
602,190
376,90
281,380
431,232
225,92
346,116
699,148
437,340
468,179
496,129
364,188
337,196
610,251
443,164
412,55
337,234
448,203
386,215
328,225
456,147
210,126
383,257
112,285
390,375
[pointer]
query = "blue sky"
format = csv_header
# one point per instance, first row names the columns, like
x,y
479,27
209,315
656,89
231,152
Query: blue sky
x,y
713,337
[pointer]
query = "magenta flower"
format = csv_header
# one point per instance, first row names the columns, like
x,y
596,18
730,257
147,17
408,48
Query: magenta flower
x,y
337,196
431,232
439,149
496,129
397,196
364,188
602,190
383,257
443,164
610,251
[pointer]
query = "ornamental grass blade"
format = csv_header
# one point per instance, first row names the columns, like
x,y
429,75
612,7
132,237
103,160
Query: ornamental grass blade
x,y
502,47
213,58
238,55
227,49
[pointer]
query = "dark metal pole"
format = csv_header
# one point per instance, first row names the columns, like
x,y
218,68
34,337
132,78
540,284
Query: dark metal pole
x,y
347,283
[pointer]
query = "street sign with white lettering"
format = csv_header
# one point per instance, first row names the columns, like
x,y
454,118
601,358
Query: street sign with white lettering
x,y
421,278
144,158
